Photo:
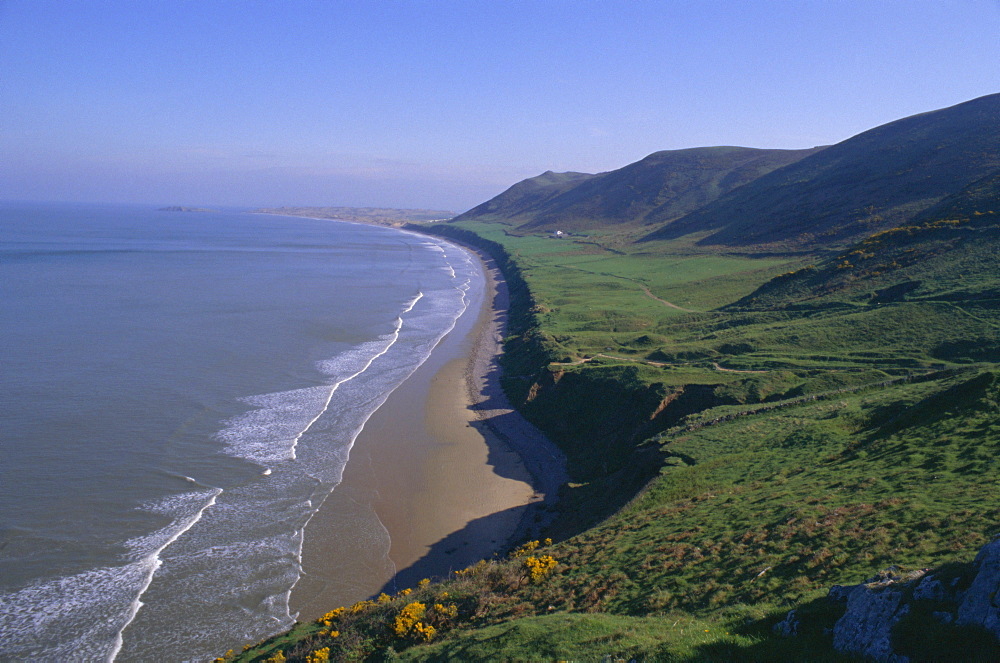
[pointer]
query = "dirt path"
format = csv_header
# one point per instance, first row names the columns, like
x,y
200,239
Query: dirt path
x,y
658,364
665,302
733,370
645,289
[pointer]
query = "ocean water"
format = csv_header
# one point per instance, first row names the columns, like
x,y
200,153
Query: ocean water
x,y
180,394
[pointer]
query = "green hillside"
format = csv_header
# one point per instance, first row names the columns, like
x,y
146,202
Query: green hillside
x,y
663,186
875,180
744,430
948,254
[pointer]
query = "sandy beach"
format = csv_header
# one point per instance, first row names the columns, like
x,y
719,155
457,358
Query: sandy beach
x,y
445,473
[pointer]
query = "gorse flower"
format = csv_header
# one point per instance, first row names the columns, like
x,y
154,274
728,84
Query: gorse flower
x,y
330,617
539,567
319,656
529,547
424,632
361,606
410,615
450,610
408,623
526,548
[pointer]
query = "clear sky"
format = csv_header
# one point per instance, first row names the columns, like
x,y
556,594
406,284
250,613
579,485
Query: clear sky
x,y
445,103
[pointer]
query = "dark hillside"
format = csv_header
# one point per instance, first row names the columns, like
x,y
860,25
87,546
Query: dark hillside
x,y
523,197
979,197
663,186
873,181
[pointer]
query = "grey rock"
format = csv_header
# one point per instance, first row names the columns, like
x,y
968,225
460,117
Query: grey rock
x,y
866,627
789,626
981,605
930,588
839,593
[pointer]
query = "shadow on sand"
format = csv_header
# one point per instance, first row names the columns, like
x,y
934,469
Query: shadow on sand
x,y
507,434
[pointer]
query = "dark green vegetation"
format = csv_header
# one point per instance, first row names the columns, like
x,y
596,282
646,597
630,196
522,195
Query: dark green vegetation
x,y
744,429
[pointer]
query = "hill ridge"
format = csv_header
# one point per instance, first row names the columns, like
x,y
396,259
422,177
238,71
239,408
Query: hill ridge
x,y
869,182
667,183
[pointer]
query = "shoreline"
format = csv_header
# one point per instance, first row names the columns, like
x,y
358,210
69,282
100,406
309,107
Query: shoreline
x,y
544,461
443,474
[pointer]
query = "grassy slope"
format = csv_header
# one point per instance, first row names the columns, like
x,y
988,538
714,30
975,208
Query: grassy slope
x,y
867,183
865,436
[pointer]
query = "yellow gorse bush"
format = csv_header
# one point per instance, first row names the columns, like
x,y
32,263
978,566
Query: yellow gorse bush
x,y
361,606
424,632
319,656
472,570
410,615
408,623
530,546
450,610
539,567
328,618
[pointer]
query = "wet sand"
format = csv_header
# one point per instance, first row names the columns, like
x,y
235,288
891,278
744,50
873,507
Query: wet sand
x,y
445,473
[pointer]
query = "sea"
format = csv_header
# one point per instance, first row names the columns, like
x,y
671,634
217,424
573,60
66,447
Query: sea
x,y
180,394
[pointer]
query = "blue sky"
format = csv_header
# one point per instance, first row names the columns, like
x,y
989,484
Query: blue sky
x,y
444,104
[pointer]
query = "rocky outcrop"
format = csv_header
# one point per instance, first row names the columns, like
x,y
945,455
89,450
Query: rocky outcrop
x,y
873,610
981,606
960,598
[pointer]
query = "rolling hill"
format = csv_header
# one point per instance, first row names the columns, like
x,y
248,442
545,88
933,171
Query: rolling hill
x,y
525,196
871,182
664,185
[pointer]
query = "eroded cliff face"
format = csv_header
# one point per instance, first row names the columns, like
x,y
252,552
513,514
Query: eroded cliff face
x,y
953,611
599,416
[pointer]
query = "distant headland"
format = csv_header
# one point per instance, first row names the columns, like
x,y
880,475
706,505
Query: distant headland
x,y
379,215
178,208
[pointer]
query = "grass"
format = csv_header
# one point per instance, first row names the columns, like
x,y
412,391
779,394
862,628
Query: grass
x,y
805,426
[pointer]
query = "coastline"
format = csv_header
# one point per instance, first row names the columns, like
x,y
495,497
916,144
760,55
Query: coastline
x,y
445,473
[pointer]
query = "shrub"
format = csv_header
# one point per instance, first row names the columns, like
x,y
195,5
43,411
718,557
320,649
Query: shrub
x,y
539,567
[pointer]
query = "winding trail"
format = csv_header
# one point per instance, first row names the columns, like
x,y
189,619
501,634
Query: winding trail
x,y
665,302
658,364
645,289
733,370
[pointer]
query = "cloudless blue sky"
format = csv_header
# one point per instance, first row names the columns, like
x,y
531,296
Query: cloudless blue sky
x,y
443,104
